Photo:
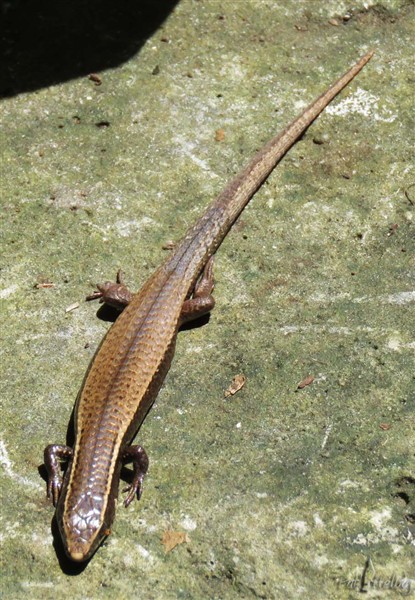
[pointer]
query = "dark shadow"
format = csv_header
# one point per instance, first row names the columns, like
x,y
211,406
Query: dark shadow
x,y
107,313
110,314
195,323
45,42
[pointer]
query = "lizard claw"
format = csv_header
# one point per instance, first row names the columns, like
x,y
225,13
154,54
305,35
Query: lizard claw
x,y
54,489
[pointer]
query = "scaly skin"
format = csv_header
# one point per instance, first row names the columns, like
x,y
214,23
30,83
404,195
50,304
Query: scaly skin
x,y
135,355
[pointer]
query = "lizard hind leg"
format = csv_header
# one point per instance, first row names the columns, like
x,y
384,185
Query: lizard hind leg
x,y
115,294
202,301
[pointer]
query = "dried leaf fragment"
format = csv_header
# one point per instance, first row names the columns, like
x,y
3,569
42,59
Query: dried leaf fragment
x,y
44,285
307,381
171,539
95,78
237,383
219,135
392,229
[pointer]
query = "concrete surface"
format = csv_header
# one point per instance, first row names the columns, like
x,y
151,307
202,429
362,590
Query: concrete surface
x,y
283,493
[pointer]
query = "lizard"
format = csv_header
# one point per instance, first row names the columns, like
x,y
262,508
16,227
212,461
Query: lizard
x,y
134,357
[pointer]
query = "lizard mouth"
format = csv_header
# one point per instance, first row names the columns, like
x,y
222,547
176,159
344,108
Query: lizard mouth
x,y
80,549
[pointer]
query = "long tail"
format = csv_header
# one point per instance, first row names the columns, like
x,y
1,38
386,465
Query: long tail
x,y
203,239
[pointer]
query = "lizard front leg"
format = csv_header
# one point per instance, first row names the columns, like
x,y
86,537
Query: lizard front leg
x,y
138,456
53,454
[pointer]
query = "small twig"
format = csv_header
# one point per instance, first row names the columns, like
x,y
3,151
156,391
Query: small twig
x,y
406,192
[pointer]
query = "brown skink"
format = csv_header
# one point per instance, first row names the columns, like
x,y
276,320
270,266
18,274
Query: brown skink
x,y
135,355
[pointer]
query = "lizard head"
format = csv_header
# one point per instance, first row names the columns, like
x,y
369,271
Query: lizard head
x,y
84,523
